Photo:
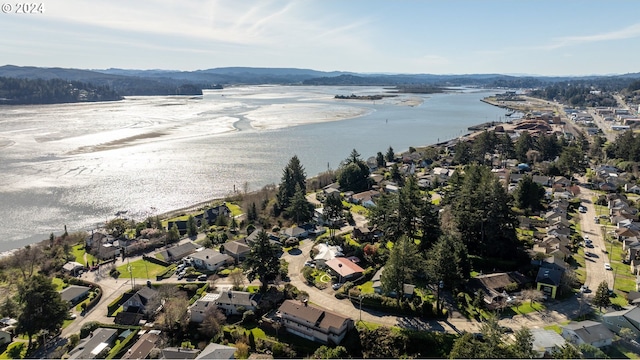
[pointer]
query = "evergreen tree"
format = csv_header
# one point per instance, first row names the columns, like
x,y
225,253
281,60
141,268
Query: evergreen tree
x,y
192,229
353,173
448,261
529,194
523,145
42,307
391,156
567,351
300,209
522,347
262,262
404,261
571,161
173,235
380,160
462,153
429,224
332,213
483,215
601,298
292,175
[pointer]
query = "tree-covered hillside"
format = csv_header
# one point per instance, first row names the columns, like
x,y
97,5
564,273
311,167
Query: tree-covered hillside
x,y
38,91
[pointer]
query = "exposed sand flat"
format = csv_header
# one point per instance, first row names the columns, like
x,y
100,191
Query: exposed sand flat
x,y
279,116
5,143
115,144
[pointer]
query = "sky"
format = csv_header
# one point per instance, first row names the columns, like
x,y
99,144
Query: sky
x,y
520,37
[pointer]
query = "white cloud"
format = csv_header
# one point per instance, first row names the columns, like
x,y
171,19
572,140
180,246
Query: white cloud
x,y
629,32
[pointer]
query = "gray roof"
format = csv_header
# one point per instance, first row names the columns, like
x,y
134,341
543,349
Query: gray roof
x,y
549,276
546,339
73,292
179,353
237,298
210,256
217,351
590,331
631,313
100,335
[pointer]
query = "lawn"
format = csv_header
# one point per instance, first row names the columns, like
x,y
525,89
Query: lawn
x,y
526,308
235,209
15,350
367,288
78,253
140,269
58,283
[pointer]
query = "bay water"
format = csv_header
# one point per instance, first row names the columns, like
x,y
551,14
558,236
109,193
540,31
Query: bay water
x,y
79,164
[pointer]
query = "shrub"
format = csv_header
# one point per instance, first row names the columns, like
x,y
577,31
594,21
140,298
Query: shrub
x,y
248,316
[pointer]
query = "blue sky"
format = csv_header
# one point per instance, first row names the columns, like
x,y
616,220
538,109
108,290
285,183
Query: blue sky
x,y
540,37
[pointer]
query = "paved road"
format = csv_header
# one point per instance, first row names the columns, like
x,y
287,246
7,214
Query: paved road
x,y
596,273
557,311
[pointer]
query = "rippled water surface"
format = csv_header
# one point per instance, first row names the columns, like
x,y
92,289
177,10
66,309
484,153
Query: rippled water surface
x,y
78,164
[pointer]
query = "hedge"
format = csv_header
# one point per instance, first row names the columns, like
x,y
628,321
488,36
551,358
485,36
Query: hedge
x,y
167,273
122,345
95,300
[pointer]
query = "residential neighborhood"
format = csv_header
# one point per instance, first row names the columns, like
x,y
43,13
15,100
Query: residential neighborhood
x,y
506,239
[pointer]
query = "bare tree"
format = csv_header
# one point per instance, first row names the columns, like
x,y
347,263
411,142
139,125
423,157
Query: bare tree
x,y
532,295
213,321
237,278
26,260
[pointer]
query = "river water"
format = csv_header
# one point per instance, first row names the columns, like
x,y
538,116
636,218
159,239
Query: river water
x,y
79,164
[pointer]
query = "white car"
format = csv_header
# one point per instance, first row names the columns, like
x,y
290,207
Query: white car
x,y
607,266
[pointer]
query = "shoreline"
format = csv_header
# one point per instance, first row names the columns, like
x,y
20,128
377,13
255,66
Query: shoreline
x,y
219,199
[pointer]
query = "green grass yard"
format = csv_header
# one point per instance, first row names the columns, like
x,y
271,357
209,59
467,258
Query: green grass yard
x,y
78,253
140,269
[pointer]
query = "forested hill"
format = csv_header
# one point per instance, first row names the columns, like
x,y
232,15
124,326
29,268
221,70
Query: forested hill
x,y
38,91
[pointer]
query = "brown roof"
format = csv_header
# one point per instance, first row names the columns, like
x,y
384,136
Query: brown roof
x,y
500,280
142,347
321,318
344,267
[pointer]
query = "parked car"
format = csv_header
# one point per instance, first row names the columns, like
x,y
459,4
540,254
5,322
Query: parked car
x,y
607,266
203,277
336,286
589,245
585,289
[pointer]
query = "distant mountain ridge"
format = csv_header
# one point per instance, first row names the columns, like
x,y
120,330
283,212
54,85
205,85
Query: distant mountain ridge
x,y
168,82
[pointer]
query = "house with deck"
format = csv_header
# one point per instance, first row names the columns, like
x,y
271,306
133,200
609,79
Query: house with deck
x,y
313,323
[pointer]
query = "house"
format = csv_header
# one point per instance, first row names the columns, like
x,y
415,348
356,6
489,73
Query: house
x,y
237,249
198,310
313,323
587,332
211,214
326,253
96,346
235,302
181,225
209,259
345,269
217,351
363,234
494,286
632,188
365,198
5,337
74,294
562,181
332,193
179,252
548,281
541,180
627,318
142,348
72,267
545,341
408,289
179,353
138,302
295,231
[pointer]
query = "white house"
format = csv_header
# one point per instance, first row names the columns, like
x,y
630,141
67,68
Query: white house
x,y
587,332
209,259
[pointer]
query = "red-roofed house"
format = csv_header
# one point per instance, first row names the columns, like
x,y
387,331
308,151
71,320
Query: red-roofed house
x,y
344,268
